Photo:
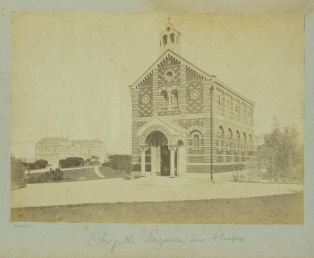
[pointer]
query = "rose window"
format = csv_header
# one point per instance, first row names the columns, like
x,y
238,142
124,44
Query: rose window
x,y
195,94
145,99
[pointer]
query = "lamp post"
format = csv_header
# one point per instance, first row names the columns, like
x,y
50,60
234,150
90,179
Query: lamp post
x,y
211,133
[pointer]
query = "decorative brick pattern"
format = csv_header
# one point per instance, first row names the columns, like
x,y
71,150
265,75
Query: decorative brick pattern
x,y
178,91
187,123
194,91
145,97
194,97
168,72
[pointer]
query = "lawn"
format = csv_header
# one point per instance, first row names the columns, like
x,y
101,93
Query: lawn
x,y
278,209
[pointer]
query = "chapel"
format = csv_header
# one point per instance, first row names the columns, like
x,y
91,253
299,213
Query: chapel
x,y
185,120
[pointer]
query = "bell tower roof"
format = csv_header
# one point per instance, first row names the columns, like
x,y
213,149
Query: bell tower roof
x,y
169,38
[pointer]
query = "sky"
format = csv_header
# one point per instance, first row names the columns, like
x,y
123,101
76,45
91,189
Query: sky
x,y
71,71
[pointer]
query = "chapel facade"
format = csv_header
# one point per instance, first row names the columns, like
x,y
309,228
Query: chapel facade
x,y
185,120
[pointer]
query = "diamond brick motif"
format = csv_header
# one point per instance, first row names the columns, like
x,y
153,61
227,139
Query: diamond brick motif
x,y
145,97
194,97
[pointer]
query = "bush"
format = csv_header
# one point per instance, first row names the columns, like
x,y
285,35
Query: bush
x,y
52,175
119,162
41,163
17,173
38,164
71,162
56,175
93,161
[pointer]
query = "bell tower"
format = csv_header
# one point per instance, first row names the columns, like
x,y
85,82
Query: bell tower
x,y
169,38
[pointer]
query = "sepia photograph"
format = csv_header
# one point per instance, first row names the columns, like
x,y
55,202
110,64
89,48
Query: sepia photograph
x,y
159,118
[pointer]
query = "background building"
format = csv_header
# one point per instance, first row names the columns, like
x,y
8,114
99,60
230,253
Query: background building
x,y
53,149
186,120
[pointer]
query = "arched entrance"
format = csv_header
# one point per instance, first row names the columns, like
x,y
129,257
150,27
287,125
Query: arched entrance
x,y
162,144
157,144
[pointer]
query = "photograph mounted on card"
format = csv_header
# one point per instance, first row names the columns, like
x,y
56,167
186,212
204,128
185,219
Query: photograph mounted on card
x,y
157,118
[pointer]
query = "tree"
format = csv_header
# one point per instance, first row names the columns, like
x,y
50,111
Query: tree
x,y
281,151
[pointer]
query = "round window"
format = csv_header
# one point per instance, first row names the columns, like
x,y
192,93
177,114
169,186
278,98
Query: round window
x,y
145,99
195,94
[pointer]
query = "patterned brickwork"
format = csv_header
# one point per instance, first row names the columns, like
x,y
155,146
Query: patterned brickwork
x,y
194,92
182,93
168,72
145,97
187,123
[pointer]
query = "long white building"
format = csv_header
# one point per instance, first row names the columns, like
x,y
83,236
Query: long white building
x,y
53,149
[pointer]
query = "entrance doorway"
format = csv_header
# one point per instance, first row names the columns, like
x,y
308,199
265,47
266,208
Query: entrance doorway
x,y
160,154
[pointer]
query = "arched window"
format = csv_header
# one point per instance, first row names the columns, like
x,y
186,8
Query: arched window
x,y
244,147
165,37
250,143
164,94
237,145
219,100
244,140
238,138
196,141
230,139
172,37
220,138
196,137
174,99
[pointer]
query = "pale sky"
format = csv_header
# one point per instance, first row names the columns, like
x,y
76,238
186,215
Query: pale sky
x,y
71,71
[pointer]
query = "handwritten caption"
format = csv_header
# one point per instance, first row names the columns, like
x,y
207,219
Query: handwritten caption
x,y
156,239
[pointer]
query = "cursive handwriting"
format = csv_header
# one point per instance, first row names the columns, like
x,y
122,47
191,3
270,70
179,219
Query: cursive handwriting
x,y
157,240
99,238
224,237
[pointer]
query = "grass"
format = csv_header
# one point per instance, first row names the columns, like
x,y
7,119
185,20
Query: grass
x,y
108,172
279,209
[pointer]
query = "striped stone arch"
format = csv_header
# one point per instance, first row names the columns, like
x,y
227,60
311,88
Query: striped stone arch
x,y
151,129
196,139
196,128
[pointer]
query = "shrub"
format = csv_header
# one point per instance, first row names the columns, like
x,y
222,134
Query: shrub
x,y
52,175
38,164
56,175
41,163
93,161
71,162
17,173
119,162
